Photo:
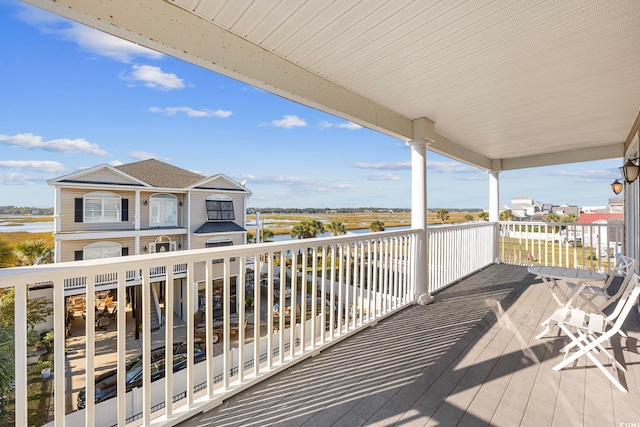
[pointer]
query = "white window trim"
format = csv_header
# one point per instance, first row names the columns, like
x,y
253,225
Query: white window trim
x,y
102,196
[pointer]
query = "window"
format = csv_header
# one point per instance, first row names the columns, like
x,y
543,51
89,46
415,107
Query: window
x,y
101,250
102,207
217,242
162,244
220,208
163,210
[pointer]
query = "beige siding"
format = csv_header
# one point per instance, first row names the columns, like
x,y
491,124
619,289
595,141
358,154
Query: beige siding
x,y
106,176
199,208
68,248
218,184
67,212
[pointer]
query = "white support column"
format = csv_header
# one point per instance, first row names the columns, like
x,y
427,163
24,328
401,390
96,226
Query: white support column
x,y
419,217
57,225
494,196
137,213
494,210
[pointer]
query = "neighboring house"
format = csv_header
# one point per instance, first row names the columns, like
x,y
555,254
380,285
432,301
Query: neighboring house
x,y
144,208
565,210
524,208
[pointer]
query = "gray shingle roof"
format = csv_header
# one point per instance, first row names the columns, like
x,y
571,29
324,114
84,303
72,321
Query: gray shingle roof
x,y
160,174
218,227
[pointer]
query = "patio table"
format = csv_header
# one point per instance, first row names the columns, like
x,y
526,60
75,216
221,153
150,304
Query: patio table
x,y
551,275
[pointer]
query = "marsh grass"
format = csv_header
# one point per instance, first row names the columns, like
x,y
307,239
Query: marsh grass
x,y
282,223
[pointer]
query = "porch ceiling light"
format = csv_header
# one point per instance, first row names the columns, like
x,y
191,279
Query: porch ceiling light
x,y
630,170
616,186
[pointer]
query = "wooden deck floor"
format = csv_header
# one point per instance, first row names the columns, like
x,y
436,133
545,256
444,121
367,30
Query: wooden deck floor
x,y
468,359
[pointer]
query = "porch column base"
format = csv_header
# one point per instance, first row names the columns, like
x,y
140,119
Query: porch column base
x,y
425,299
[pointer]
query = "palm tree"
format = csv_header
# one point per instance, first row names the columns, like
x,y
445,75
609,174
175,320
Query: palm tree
x,y
7,256
337,228
507,215
376,226
569,218
483,216
33,253
468,217
552,217
266,234
307,229
442,214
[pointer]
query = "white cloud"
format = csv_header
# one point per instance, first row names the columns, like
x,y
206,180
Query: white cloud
x,y
190,112
450,167
115,163
383,165
289,121
294,181
18,179
142,155
31,141
153,77
384,176
349,125
47,166
86,38
325,124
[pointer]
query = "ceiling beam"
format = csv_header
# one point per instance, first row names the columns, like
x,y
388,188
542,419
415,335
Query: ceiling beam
x,y
167,28
170,29
610,151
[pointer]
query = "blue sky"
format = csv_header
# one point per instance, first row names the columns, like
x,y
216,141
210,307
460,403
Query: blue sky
x,y
73,97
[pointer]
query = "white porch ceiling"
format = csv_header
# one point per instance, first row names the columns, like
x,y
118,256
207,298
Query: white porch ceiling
x,y
508,84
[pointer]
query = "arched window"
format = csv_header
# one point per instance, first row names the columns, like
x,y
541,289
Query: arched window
x,y
102,206
217,242
163,210
163,244
101,250
220,208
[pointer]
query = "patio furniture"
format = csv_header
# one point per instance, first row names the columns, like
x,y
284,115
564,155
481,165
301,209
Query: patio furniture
x,y
624,268
551,275
593,330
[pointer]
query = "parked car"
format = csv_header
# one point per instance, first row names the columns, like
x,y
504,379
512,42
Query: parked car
x,y
106,384
264,285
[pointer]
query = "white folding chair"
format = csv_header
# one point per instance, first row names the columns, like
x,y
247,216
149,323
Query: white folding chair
x,y
623,268
593,330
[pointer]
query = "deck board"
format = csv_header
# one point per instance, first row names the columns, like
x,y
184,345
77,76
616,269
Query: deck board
x,y
469,359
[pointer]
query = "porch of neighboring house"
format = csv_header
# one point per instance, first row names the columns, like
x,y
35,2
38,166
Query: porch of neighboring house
x,y
469,358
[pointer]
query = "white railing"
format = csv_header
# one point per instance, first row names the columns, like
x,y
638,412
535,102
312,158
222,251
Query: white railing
x,y
339,285
457,251
587,246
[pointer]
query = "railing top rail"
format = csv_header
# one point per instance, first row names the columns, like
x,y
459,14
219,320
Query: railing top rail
x,y
466,225
46,272
562,224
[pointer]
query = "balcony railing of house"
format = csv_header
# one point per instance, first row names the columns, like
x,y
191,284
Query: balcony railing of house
x,y
586,246
339,286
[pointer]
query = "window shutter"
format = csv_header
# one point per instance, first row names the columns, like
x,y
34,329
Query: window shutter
x,y
78,209
125,251
125,209
77,255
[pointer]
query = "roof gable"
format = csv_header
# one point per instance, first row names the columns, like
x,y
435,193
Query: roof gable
x,y
101,174
160,174
219,182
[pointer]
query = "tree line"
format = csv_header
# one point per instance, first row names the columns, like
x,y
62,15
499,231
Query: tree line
x,y
25,210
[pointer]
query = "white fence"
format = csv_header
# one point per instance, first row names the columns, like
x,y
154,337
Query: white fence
x,y
367,277
587,246
457,251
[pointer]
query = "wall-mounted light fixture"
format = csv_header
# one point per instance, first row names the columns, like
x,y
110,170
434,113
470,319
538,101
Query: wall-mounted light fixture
x,y
630,170
617,186
145,203
179,245
145,248
180,203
